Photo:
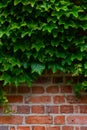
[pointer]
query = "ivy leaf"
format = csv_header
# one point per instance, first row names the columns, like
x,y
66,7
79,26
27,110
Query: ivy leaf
x,y
75,11
55,67
79,56
16,2
49,27
85,65
6,78
52,1
38,45
54,43
38,68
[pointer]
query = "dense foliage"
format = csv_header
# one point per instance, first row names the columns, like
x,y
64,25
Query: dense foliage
x,y
42,34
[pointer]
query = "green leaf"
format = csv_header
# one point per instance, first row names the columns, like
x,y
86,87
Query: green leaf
x,y
49,27
54,42
53,67
75,11
38,68
16,2
38,45
85,65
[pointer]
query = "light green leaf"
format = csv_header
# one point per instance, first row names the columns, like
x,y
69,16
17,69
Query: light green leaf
x,y
16,2
85,65
38,68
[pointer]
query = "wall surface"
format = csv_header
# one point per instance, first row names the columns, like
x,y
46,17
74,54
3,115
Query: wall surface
x,y
50,104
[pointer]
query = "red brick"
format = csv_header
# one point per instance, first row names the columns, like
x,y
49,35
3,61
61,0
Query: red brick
x,y
15,99
3,127
38,120
59,120
52,109
83,128
23,128
38,99
14,109
23,89
66,109
53,128
58,79
67,128
73,99
38,109
77,120
58,99
49,72
6,88
13,90
66,89
70,79
37,90
77,128
83,109
23,109
52,89
12,128
76,109
38,128
1,109
11,119
43,80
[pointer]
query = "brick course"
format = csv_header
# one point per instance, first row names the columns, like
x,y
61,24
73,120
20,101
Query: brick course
x,y
50,104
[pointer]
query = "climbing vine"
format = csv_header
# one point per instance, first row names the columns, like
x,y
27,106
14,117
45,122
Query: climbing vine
x,y
36,35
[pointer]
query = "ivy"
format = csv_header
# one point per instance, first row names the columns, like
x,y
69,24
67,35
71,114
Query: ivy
x,y
37,35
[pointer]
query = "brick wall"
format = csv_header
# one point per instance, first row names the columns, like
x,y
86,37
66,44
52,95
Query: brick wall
x,y
50,104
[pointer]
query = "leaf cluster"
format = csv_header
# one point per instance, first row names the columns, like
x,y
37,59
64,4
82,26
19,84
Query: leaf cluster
x,y
42,34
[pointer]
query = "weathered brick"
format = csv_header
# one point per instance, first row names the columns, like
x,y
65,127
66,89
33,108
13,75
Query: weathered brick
x,y
57,79
80,100
83,128
53,128
38,99
58,99
37,90
43,80
13,108
3,127
71,79
60,120
12,128
11,119
52,89
52,109
1,109
66,88
23,109
15,99
67,128
49,72
23,128
38,120
66,109
77,128
76,108
62,111
38,128
13,90
77,120
23,89
83,109
38,109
